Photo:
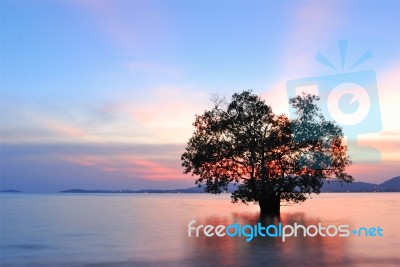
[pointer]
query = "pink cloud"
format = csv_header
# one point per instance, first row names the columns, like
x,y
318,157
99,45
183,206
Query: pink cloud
x,y
137,166
154,170
168,113
65,129
109,169
374,173
389,148
276,97
79,161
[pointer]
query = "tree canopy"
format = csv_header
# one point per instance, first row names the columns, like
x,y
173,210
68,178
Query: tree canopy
x,y
270,158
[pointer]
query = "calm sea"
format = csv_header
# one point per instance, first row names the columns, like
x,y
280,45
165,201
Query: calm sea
x,y
152,230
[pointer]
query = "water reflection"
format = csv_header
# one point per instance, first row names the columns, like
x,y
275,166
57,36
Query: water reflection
x,y
295,251
152,230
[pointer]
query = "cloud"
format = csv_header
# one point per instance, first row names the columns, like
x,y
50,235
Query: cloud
x,y
127,160
79,160
374,173
151,169
276,97
22,122
50,167
108,169
135,165
160,115
168,113
64,129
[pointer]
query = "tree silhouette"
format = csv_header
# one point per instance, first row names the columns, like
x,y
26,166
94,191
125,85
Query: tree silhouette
x,y
270,158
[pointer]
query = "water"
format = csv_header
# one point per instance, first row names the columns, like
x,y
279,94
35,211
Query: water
x,y
151,230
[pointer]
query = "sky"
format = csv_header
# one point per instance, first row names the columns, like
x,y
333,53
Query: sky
x,y
100,94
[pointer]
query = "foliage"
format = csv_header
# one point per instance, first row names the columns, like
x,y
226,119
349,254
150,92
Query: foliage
x,y
270,158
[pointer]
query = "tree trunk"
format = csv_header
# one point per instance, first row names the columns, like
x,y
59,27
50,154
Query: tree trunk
x,y
270,207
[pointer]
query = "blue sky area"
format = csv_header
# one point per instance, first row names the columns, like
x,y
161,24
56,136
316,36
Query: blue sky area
x,y
102,94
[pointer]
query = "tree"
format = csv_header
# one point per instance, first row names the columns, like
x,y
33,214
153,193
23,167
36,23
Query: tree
x,y
270,158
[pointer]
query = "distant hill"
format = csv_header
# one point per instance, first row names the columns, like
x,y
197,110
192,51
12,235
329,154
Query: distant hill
x,y
95,191
392,185
337,186
10,191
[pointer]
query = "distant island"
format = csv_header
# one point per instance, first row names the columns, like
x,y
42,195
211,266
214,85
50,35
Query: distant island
x,y
392,185
10,191
187,190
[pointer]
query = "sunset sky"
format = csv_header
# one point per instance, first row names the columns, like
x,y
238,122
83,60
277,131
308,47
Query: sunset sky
x,y
102,94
